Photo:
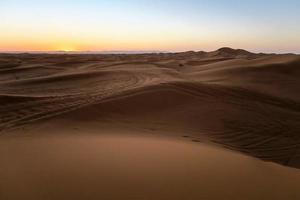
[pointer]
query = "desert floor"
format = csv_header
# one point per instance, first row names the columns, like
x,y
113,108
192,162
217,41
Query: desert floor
x,y
192,125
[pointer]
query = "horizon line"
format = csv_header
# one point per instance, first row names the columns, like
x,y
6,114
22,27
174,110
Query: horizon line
x,y
124,51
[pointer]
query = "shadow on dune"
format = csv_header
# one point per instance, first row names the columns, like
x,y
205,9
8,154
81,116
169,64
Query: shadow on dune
x,y
256,124
239,100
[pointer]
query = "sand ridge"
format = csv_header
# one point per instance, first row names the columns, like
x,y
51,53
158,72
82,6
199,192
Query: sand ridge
x,y
233,98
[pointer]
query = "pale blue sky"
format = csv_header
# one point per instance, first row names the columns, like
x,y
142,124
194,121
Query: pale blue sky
x,y
268,26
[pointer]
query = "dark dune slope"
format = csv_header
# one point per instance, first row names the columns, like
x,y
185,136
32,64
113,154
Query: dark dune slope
x,y
239,100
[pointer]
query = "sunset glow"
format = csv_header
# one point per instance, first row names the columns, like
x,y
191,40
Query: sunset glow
x,y
149,25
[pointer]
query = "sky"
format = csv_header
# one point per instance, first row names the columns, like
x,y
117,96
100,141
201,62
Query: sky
x,y
149,25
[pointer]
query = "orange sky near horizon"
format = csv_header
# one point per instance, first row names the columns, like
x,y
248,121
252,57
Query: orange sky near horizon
x,y
144,25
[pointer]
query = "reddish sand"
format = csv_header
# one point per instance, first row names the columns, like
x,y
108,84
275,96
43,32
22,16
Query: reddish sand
x,y
192,125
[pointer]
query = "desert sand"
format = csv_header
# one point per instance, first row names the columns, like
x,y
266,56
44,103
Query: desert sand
x,y
192,125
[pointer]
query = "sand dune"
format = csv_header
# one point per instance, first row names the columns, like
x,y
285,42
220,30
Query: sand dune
x,y
230,99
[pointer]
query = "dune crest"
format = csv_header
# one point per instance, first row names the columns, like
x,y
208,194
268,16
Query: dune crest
x,y
236,99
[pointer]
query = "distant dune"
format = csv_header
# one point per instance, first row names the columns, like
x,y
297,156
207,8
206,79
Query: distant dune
x,y
232,99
